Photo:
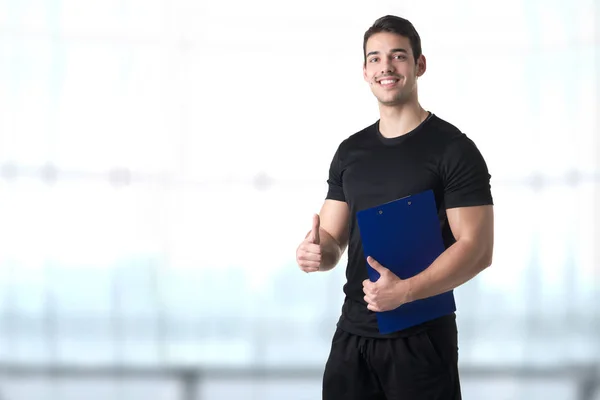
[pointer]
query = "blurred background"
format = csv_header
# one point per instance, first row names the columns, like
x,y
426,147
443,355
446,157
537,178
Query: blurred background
x,y
160,161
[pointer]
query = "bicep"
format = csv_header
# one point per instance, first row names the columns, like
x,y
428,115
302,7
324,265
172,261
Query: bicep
x,y
474,224
334,217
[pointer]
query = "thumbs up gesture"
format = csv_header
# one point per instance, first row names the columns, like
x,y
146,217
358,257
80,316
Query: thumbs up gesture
x,y
309,254
388,292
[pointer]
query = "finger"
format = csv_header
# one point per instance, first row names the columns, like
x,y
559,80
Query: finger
x,y
310,269
310,248
370,285
308,264
371,295
373,308
377,266
307,256
314,234
371,303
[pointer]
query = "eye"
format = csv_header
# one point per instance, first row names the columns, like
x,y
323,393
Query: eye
x,y
374,59
400,57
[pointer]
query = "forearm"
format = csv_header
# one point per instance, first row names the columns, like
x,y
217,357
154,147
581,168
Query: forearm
x,y
458,264
331,250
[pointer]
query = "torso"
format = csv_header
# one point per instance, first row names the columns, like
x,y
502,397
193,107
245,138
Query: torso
x,y
376,170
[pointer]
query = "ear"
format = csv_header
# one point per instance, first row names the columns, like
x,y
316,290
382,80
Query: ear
x,y
366,78
421,65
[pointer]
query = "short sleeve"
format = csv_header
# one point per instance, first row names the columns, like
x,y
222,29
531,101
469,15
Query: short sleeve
x,y
336,189
465,175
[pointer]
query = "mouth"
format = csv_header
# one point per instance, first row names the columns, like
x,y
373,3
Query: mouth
x,y
388,82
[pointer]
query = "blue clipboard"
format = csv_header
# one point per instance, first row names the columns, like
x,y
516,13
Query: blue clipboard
x,y
404,235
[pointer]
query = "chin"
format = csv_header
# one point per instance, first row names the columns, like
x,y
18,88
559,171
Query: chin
x,y
389,102
389,98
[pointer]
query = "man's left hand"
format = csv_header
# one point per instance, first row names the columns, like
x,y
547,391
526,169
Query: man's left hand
x,y
388,292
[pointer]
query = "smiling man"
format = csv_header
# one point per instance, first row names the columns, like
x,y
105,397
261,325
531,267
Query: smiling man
x,y
407,151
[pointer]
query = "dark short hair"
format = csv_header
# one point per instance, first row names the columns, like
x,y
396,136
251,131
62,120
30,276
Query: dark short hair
x,y
399,26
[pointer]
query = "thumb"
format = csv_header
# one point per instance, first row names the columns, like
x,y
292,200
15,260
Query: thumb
x,y
376,265
314,233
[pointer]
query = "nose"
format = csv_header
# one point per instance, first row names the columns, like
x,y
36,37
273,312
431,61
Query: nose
x,y
387,70
387,67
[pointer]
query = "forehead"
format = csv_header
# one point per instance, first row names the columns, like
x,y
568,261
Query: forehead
x,y
385,41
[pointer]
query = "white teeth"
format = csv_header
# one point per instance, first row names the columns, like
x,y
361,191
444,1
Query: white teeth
x,y
387,81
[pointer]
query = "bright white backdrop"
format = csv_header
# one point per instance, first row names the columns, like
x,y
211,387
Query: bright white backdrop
x,y
160,161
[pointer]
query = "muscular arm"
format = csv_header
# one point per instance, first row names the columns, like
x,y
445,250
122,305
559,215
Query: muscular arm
x,y
473,228
333,232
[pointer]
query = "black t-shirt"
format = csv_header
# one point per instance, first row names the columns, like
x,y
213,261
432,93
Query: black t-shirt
x,y
369,169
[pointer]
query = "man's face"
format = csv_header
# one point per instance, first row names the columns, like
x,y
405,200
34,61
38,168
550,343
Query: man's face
x,y
390,68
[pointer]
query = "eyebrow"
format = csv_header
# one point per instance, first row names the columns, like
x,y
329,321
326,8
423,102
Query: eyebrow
x,y
399,50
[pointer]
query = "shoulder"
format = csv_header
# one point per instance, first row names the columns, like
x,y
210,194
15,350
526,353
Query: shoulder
x,y
361,136
450,138
358,139
444,131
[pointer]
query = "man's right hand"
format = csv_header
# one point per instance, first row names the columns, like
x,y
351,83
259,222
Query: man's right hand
x,y
309,254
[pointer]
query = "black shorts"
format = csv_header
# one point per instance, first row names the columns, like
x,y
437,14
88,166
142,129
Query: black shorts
x,y
418,367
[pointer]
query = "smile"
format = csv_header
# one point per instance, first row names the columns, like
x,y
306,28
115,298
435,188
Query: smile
x,y
388,82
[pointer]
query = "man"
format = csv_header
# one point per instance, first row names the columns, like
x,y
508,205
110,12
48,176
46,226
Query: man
x,y
407,151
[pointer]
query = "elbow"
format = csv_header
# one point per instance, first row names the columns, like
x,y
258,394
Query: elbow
x,y
481,265
487,259
487,263
481,255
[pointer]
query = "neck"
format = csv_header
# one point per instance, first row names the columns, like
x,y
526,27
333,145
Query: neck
x,y
398,120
